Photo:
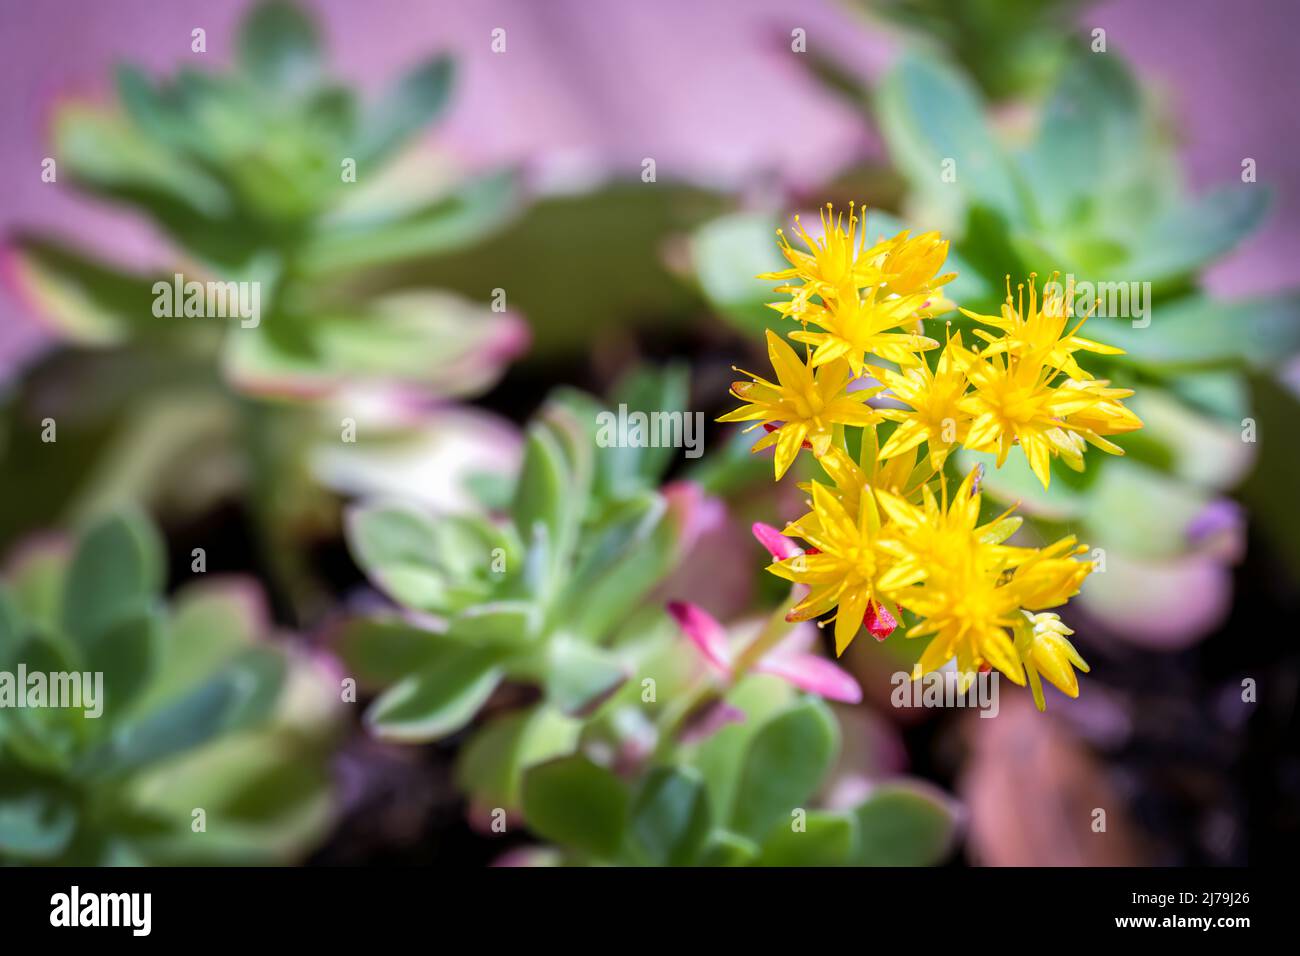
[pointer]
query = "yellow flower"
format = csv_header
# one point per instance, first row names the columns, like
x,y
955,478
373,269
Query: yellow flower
x,y
1043,648
807,403
839,259
842,564
923,537
1049,576
1107,416
969,587
936,416
880,535
910,266
1015,402
1039,333
967,613
852,478
952,570
860,325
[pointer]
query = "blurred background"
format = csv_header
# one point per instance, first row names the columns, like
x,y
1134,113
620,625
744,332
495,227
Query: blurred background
x,y
585,196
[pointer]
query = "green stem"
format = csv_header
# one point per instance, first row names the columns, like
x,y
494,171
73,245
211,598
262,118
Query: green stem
x,y
264,443
775,629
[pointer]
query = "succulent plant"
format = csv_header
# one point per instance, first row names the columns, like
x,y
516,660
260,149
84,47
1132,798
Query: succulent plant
x,y
273,185
188,739
535,597
275,175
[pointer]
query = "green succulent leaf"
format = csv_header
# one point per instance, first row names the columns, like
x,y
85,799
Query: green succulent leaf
x,y
402,550
626,469
670,817
507,624
383,650
263,802
128,654
279,46
1197,232
727,253
725,848
117,571
492,765
544,499
930,113
903,825
1086,138
581,677
178,689
785,763
416,100
438,700
576,803
391,341
1118,514
89,302
232,698
477,207
211,624
721,757
154,113
36,822
827,839
625,560
107,155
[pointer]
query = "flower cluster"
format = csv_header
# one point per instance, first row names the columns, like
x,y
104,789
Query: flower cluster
x,y
887,536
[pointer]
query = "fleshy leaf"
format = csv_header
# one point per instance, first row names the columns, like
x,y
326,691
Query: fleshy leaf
x,y
117,571
582,676
904,825
279,45
930,114
438,700
129,655
783,766
491,766
35,822
725,848
826,839
404,550
670,816
416,99
575,803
